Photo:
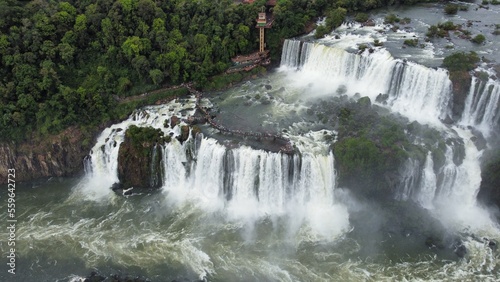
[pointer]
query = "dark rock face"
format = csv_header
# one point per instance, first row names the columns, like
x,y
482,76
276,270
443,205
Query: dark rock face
x,y
134,165
489,191
96,277
461,81
139,158
59,155
184,133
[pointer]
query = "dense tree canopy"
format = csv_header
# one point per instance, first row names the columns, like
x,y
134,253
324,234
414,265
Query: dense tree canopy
x,y
66,62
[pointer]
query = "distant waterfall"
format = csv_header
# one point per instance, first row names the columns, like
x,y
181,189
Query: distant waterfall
x,y
417,92
482,106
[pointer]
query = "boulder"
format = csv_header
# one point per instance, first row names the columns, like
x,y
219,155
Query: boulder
x,y
184,133
174,120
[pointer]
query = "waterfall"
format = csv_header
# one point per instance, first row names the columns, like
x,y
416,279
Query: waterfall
x,y
482,105
415,91
428,183
101,165
410,179
244,182
418,92
290,56
243,176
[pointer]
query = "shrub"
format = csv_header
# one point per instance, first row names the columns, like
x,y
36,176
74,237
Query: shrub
x,y
321,31
478,39
391,18
140,135
461,61
362,47
405,21
411,42
485,2
451,9
449,25
361,17
436,31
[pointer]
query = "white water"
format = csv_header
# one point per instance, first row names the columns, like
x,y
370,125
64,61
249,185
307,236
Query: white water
x,y
102,163
482,105
418,92
428,183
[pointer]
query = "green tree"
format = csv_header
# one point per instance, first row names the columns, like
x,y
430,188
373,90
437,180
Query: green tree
x,y
156,76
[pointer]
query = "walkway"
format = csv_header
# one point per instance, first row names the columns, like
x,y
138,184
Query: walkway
x,y
287,148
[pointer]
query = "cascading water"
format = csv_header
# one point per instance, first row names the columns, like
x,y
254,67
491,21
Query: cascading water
x,y
482,105
102,163
245,182
418,92
428,183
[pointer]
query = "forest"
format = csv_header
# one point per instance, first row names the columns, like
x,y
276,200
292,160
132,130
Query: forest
x,y
66,63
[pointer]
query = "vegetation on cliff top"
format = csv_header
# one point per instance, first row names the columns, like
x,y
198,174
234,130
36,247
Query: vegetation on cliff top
x,y
66,63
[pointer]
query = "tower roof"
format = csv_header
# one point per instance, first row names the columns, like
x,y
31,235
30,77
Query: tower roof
x,y
271,3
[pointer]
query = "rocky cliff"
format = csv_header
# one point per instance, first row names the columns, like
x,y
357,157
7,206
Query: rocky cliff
x,y
139,158
59,155
489,192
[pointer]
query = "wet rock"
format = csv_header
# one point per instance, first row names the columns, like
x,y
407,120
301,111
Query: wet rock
x,y
447,120
96,277
174,120
460,250
268,87
461,81
116,186
184,133
493,245
478,139
489,193
382,98
369,22
195,130
364,102
139,158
